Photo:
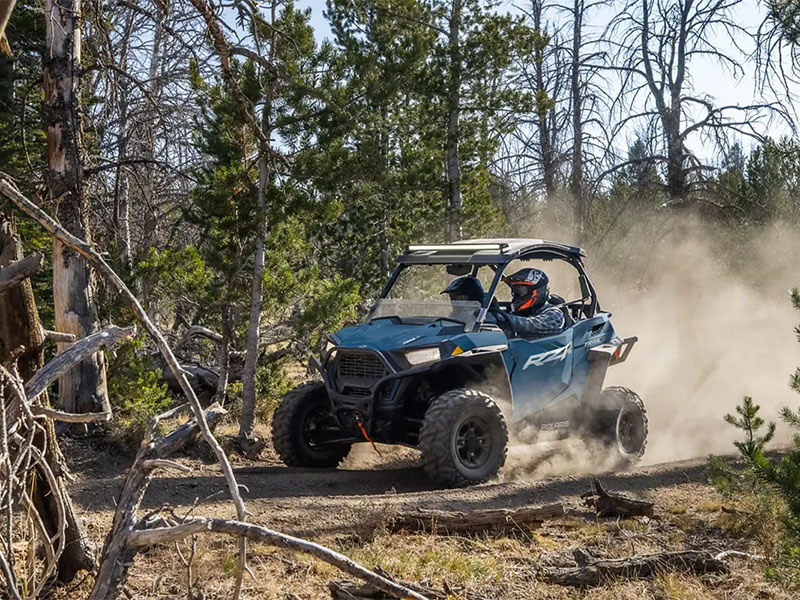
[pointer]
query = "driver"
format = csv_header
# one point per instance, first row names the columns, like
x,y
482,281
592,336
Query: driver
x,y
531,314
465,289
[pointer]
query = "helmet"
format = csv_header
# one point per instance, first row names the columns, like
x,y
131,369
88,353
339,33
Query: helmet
x,y
465,288
530,289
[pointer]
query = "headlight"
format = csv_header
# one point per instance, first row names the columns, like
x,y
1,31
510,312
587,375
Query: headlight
x,y
422,356
329,346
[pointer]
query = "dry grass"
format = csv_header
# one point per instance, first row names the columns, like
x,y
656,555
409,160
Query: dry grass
x,y
496,567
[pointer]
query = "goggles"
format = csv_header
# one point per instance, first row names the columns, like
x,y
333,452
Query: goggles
x,y
520,290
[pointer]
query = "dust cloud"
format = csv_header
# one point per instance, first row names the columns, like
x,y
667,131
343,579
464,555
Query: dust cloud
x,y
714,321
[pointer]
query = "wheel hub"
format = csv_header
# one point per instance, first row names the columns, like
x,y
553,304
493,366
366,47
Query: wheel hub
x,y
630,432
313,426
473,443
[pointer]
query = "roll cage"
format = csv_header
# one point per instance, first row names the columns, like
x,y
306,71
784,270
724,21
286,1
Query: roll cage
x,y
497,254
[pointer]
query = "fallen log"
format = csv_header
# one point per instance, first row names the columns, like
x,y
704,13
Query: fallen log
x,y
591,572
346,590
18,270
615,505
475,521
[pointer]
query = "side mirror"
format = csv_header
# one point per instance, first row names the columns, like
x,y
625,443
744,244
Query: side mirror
x,y
459,270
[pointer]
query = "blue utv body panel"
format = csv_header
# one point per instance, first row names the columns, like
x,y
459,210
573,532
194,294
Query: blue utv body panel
x,y
542,372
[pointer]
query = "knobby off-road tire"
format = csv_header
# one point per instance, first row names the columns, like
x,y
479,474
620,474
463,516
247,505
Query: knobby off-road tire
x,y
293,425
620,423
463,438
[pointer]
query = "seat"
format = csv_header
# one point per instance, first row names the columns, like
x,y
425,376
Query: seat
x,y
558,301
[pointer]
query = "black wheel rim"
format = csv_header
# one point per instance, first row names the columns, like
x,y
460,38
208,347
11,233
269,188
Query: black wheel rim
x,y
313,427
630,431
473,442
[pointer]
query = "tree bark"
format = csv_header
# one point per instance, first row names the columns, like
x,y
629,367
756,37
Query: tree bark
x,y
84,388
20,326
6,8
615,505
12,274
576,180
592,572
493,520
224,354
455,201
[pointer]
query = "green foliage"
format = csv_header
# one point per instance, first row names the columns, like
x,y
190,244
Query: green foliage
x,y
272,382
786,13
172,278
768,481
137,393
750,423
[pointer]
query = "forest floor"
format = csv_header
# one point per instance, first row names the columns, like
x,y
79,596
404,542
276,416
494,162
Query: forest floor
x,y
347,510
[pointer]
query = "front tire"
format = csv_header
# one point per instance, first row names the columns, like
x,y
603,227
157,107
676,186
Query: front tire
x,y
463,438
298,425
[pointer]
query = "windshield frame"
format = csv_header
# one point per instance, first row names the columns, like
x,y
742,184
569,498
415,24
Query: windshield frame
x,y
499,267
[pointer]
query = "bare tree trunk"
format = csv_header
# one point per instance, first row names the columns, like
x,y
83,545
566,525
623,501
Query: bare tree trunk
x,y
20,326
224,354
6,8
670,115
247,420
455,201
676,176
151,223
576,182
121,184
84,388
543,109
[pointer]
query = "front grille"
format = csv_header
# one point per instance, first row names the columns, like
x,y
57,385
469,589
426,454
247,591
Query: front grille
x,y
362,366
357,392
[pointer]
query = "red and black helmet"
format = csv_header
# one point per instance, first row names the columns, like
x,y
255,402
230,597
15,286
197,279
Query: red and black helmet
x,y
530,289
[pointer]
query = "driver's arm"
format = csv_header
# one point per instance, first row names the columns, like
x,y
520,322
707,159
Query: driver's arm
x,y
548,322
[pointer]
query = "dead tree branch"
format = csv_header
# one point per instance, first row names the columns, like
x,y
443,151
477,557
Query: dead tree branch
x,y
144,538
19,270
74,355
100,265
615,505
57,336
118,551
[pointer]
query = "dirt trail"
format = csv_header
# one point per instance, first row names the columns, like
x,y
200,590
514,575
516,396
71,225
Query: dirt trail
x,y
352,500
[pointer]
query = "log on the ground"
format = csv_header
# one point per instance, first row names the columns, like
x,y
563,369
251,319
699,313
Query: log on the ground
x,y
73,355
615,505
18,270
347,590
594,572
475,521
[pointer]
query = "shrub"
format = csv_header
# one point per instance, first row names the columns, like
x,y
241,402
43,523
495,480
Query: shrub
x,y
137,393
770,488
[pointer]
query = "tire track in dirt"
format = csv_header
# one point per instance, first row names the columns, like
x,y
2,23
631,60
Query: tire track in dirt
x,y
354,500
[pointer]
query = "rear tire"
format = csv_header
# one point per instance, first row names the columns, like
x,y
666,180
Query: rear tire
x,y
619,422
463,438
301,413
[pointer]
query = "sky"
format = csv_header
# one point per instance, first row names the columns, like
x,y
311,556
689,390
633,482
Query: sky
x,y
707,77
